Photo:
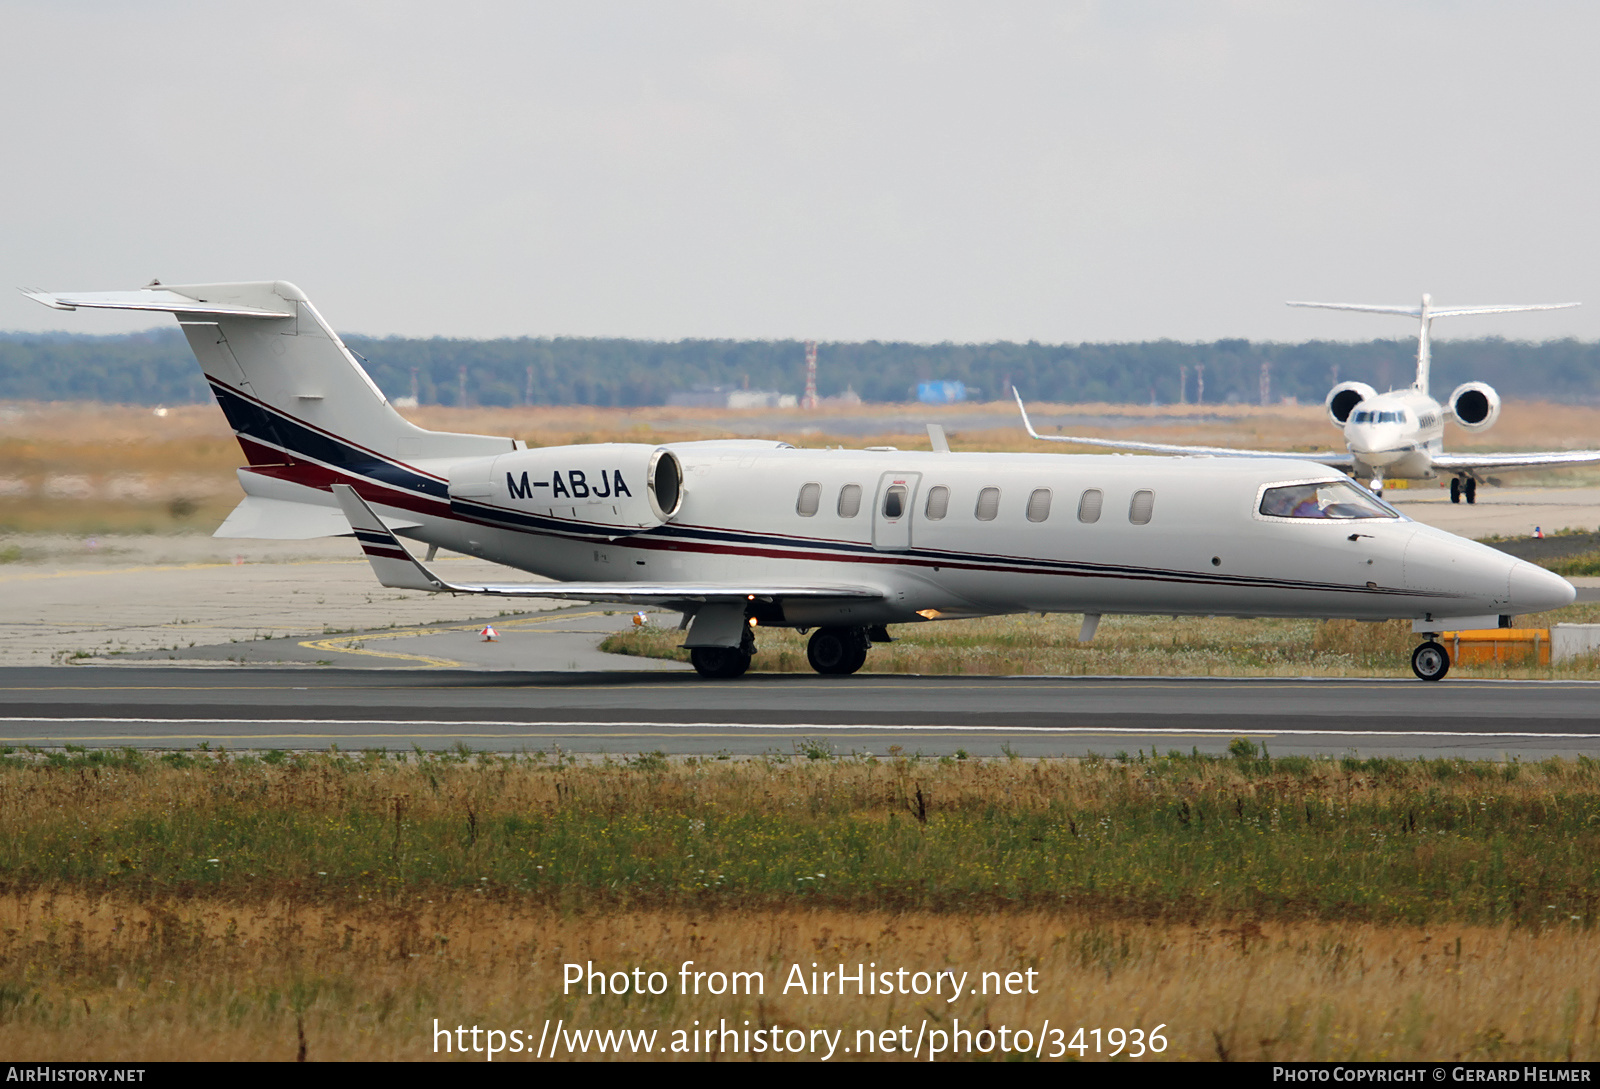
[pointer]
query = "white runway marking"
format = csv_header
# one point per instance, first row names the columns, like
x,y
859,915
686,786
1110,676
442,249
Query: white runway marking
x,y
457,726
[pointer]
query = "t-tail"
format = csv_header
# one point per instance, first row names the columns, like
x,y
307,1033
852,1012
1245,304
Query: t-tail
x,y
306,413
1425,314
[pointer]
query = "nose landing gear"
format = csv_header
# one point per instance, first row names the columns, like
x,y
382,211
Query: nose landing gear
x,y
1430,661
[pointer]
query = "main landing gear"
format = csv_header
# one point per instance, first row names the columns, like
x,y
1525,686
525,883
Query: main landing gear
x,y
838,651
723,663
832,651
1430,661
1463,486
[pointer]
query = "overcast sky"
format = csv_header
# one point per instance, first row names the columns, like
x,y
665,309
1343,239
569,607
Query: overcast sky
x,y
844,171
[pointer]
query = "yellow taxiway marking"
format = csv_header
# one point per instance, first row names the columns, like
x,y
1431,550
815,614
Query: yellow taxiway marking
x,y
340,643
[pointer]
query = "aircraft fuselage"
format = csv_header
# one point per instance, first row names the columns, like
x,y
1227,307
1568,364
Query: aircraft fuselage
x,y
1009,533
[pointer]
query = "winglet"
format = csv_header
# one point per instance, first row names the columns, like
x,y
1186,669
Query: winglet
x,y
1025,421
390,561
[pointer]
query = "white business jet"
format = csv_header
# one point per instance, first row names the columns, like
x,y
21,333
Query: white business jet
x,y
1395,435
735,534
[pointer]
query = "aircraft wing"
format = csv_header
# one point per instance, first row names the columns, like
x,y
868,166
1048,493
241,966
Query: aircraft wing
x,y
1341,460
1548,458
396,567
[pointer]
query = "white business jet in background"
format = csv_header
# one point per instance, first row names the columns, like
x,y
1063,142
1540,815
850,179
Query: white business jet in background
x,y
735,534
1395,435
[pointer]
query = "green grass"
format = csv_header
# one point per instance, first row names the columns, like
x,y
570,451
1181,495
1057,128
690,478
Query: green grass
x,y
1130,645
1583,565
1152,836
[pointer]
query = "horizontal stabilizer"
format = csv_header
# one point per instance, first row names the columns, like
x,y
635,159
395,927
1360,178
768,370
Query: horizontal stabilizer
x,y
395,566
285,520
1338,460
1427,310
160,299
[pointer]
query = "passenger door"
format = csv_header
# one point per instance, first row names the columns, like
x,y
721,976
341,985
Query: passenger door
x,y
891,511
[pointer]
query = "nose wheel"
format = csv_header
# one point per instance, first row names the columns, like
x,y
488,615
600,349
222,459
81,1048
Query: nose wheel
x,y
1430,661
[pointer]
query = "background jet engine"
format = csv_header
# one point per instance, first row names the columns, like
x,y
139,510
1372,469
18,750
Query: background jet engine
x,y
1343,398
1476,406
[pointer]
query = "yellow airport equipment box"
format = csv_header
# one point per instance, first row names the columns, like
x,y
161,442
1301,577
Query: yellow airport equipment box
x,y
1507,646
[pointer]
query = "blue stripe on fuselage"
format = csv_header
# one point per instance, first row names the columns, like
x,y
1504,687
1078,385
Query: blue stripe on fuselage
x,y
256,421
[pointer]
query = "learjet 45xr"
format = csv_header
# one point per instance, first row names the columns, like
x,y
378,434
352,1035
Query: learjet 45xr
x,y
741,534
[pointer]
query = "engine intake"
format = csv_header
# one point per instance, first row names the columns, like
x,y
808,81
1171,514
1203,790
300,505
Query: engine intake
x,y
1343,399
1475,406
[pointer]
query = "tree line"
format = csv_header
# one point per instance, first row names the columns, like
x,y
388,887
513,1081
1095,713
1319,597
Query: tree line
x,y
156,367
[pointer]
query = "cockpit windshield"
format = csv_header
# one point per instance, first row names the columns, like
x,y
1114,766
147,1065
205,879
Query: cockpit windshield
x,y
1366,416
1329,499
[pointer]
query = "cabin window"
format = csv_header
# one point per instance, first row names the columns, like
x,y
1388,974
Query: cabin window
x,y
1039,505
988,504
1142,507
1089,506
1329,499
938,503
810,498
849,501
894,501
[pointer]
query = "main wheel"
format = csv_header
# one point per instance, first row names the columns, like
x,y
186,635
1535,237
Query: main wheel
x,y
1430,661
1470,490
719,663
1455,489
837,651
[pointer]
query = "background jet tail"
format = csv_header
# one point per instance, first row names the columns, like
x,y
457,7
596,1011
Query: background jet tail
x,y
1426,313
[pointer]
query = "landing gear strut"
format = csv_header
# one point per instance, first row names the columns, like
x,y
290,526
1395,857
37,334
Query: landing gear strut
x,y
723,663
838,651
1430,661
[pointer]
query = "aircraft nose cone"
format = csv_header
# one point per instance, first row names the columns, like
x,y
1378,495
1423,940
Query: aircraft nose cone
x,y
1535,590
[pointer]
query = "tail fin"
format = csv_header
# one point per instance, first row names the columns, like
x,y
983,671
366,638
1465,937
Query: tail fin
x,y
290,388
1427,312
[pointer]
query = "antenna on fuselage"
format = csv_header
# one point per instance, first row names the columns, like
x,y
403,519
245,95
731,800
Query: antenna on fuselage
x,y
1426,313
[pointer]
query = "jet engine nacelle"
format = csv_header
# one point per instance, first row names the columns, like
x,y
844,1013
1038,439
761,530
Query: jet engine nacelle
x,y
1343,399
630,487
1475,405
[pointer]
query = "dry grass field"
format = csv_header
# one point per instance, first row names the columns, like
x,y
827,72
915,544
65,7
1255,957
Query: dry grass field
x,y
89,468
111,978
208,906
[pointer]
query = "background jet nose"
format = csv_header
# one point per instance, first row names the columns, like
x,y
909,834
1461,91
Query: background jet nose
x,y
1535,590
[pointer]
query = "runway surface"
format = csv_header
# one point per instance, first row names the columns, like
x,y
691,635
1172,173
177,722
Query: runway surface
x,y
625,713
